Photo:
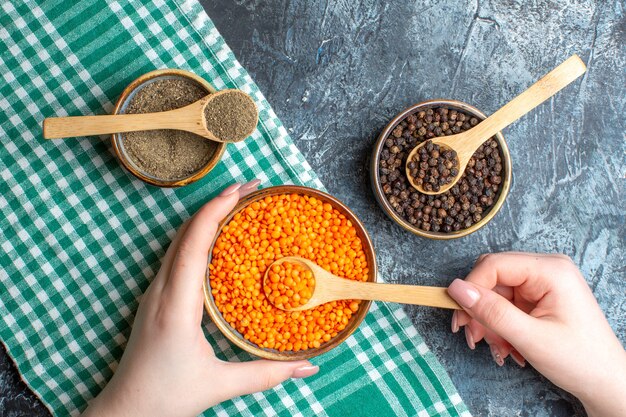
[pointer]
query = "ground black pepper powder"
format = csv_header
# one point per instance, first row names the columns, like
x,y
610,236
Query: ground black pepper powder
x,y
467,201
231,116
167,154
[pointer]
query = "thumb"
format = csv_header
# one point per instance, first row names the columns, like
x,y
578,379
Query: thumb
x,y
493,311
239,378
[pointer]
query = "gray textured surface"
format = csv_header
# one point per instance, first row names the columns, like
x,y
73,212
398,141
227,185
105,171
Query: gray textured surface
x,y
336,72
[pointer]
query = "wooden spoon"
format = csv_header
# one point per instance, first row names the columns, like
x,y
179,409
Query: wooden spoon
x,y
190,118
466,143
329,287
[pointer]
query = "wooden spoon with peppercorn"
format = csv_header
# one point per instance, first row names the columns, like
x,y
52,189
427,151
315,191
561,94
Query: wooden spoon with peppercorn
x,y
225,116
326,287
434,166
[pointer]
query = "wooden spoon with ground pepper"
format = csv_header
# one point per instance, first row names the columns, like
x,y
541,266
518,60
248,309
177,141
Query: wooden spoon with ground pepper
x,y
225,116
326,287
449,155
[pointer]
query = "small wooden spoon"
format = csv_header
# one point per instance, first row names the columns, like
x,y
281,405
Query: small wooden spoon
x,y
466,143
329,287
190,118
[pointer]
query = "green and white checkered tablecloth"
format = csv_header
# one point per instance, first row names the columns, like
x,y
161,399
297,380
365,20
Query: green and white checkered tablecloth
x,y
81,238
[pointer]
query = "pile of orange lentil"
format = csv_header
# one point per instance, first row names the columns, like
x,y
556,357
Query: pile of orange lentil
x,y
289,285
267,230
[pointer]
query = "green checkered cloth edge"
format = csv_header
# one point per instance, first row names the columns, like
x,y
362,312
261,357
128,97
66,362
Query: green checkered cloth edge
x,y
81,238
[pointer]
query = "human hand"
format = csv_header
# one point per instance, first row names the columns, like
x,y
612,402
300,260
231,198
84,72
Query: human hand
x,y
168,367
538,307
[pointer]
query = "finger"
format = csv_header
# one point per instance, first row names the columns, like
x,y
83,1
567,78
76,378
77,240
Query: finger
x,y
503,290
166,263
454,324
484,255
190,261
477,332
248,188
531,273
493,311
156,286
499,347
522,303
518,358
462,318
239,378
474,332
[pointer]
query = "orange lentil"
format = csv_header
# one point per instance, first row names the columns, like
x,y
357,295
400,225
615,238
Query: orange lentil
x,y
287,280
267,230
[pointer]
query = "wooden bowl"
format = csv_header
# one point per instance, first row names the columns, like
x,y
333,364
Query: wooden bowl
x,y
382,199
117,139
234,336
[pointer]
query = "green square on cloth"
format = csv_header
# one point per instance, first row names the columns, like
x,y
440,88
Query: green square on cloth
x,y
81,238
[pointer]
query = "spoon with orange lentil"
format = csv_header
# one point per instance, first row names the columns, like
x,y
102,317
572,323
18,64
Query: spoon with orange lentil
x,y
293,283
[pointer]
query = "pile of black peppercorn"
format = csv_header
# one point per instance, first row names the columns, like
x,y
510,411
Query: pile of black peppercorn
x,y
433,166
467,201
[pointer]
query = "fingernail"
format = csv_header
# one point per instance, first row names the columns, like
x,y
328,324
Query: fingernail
x,y
305,371
518,358
469,338
464,293
455,323
495,354
230,189
249,187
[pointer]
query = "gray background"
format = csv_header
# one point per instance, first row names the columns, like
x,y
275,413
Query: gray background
x,y
337,71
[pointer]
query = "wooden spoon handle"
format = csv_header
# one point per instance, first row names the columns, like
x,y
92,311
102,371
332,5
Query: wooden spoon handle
x,y
539,92
64,127
396,293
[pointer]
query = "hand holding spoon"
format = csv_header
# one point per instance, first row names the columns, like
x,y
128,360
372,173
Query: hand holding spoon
x,y
198,118
466,143
329,287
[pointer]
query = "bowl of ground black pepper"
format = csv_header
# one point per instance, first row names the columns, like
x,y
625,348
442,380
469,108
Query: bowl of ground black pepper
x,y
468,205
165,158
